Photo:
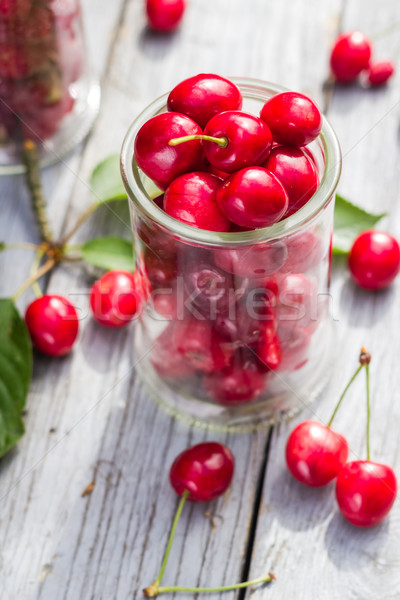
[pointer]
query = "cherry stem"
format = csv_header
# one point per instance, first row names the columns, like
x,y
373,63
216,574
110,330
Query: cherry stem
x,y
222,141
34,183
34,269
19,246
224,588
368,409
80,222
343,394
43,269
172,535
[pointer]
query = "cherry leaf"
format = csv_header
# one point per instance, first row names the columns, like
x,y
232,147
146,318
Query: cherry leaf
x,y
350,221
109,253
106,181
15,373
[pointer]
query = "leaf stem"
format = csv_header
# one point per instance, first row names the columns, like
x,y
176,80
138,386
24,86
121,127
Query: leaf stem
x,y
343,394
224,588
368,410
39,273
222,141
34,183
80,222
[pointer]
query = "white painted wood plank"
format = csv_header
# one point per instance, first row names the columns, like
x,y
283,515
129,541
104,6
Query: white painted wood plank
x,y
300,534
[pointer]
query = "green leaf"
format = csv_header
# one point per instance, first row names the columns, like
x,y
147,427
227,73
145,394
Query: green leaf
x,y
15,373
350,221
109,253
106,181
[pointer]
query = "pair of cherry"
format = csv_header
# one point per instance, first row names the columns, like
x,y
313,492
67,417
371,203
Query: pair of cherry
x,y
351,55
315,455
229,176
53,321
199,474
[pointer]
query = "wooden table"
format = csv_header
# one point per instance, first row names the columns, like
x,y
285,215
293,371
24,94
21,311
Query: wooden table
x,y
87,416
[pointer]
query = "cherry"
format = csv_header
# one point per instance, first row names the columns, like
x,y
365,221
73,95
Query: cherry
x,y
164,15
380,72
350,55
165,302
315,453
166,359
297,174
205,470
269,350
374,259
294,119
256,261
365,492
192,199
239,383
297,300
305,251
210,289
157,159
115,298
202,347
253,197
203,96
233,140
52,322
160,268
295,342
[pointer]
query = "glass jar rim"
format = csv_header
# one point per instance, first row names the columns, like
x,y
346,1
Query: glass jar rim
x,y
253,89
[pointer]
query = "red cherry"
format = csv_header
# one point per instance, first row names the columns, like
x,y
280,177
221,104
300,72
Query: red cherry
x,y
236,384
247,140
202,347
294,119
205,470
297,174
203,96
253,197
350,55
13,63
305,251
269,350
365,492
380,72
116,298
52,322
210,289
161,162
160,269
192,199
164,15
257,261
298,297
374,260
166,358
315,453
295,343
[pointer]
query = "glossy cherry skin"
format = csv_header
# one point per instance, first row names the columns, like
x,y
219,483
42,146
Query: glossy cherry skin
x,y
115,298
161,162
205,470
350,55
268,349
202,347
203,96
257,261
315,454
294,119
297,174
164,15
365,492
305,251
374,260
380,72
239,383
253,197
298,300
210,289
249,141
52,322
192,199
166,358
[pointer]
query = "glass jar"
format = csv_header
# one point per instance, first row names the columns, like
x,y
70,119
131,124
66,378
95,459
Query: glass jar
x,y
47,92
236,332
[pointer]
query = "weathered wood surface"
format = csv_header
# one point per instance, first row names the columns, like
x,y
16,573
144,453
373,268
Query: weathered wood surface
x,y
89,419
